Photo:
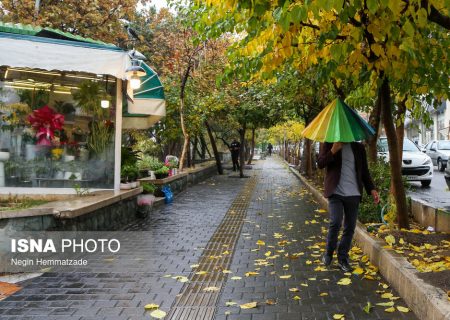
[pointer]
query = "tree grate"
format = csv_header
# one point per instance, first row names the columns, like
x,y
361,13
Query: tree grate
x,y
194,303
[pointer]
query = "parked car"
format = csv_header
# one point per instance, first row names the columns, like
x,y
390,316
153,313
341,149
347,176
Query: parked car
x,y
439,152
447,176
416,165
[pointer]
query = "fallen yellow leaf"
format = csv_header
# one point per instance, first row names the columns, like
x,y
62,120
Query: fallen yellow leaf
x,y
390,240
151,306
296,298
249,305
158,314
338,316
386,304
358,270
323,294
294,290
344,281
251,273
390,310
288,276
402,309
260,243
236,278
387,295
230,303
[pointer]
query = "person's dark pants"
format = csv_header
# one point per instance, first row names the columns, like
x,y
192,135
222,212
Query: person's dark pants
x,y
235,159
338,207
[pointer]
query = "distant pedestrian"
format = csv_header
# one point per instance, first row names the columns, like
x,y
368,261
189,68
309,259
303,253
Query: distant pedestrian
x,y
346,173
269,148
235,147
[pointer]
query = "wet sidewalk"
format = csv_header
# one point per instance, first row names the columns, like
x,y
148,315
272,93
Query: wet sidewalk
x,y
223,244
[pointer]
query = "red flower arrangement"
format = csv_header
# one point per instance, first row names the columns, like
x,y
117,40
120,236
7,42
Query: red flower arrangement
x,y
45,121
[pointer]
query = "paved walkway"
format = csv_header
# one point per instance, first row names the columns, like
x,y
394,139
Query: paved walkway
x,y
243,240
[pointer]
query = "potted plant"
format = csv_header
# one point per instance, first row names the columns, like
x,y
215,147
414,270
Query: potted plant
x,y
162,172
73,172
128,174
148,188
172,163
100,137
29,139
72,150
88,97
150,164
46,122
58,170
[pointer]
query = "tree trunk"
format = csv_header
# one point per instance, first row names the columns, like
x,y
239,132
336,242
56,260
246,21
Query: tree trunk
x,y
398,190
188,154
214,147
185,134
375,120
252,150
400,126
246,151
241,150
308,158
194,149
183,127
203,145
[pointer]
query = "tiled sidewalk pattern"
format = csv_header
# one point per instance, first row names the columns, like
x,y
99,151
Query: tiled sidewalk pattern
x,y
280,214
172,240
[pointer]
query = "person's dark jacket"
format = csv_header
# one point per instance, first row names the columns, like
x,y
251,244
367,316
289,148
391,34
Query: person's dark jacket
x,y
333,163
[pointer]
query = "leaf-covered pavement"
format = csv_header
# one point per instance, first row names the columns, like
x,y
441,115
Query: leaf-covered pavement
x,y
278,257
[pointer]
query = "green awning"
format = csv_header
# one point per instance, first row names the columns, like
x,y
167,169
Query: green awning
x,y
148,105
151,87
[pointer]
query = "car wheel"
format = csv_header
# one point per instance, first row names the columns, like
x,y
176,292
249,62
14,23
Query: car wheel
x,y
440,165
425,183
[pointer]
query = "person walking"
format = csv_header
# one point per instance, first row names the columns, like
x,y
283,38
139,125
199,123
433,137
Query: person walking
x,y
269,148
347,173
235,147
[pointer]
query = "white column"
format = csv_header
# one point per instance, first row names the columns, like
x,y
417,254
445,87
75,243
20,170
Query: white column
x,y
118,135
435,127
421,132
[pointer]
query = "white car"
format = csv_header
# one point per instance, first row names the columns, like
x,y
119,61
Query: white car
x,y
439,152
416,165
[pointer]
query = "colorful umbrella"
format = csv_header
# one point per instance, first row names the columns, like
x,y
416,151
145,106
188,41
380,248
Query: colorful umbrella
x,y
338,123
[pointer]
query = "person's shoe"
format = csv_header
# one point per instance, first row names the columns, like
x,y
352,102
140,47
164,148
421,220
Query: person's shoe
x,y
344,265
326,260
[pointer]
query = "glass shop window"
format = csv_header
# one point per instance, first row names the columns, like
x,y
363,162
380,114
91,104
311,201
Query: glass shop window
x,y
56,129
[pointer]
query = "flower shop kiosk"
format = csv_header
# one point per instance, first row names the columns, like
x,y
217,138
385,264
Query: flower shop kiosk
x,y
64,100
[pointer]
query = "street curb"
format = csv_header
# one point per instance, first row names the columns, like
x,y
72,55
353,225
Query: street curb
x,y
427,302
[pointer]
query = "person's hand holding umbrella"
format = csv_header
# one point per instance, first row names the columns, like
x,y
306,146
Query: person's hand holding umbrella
x,y
336,147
